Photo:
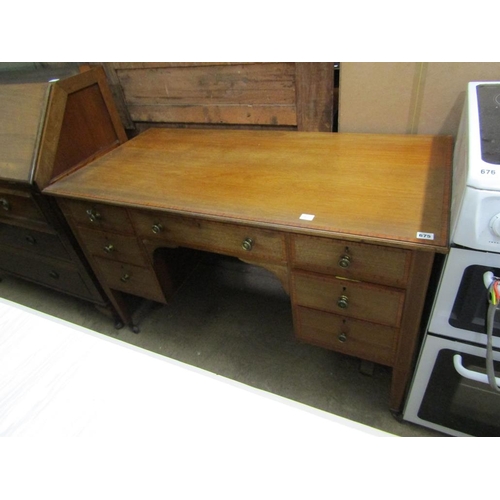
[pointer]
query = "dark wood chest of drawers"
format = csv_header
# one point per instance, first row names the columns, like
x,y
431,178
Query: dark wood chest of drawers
x,y
48,129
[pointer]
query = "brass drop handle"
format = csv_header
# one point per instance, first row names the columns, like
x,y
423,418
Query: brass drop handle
x,y
343,301
247,244
5,204
125,277
93,214
345,261
157,228
109,248
342,337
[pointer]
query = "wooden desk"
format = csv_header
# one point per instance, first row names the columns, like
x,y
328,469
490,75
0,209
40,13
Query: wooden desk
x,y
350,223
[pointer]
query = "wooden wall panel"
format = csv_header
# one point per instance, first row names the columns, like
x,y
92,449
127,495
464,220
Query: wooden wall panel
x,y
251,94
290,96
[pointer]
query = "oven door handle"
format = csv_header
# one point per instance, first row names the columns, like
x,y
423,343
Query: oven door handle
x,y
470,374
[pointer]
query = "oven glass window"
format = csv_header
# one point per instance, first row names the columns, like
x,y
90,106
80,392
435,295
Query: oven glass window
x,y
471,303
488,97
458,403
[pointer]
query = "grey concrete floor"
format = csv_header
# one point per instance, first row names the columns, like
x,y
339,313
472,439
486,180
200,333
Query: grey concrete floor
x,y
235,320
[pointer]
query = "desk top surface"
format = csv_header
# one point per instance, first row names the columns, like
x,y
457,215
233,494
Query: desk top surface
x,y
361,186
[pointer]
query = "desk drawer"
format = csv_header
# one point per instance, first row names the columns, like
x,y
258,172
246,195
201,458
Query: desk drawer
x,y
247,243
129,278
56,274
360,261
97,216
364,340
34,241
119,247
378,304
18,205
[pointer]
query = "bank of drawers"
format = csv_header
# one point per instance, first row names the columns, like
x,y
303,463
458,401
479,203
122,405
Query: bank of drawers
x,y
346,296
108,238
349,297
31,248
119,241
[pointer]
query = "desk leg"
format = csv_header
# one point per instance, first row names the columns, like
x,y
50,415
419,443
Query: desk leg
x,y
409,337
123,310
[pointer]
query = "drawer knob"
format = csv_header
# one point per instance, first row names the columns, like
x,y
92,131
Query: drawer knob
x,y
54,275
109,248
93,214
343,301
345,261
30,240
247,244
157,228
342,337
125,277
5,204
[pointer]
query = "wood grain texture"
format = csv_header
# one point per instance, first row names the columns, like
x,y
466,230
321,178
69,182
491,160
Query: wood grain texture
x,y
370,187
315,94
375,263
221,94
82,123
285,95
347,335
23,107
117,92
374,303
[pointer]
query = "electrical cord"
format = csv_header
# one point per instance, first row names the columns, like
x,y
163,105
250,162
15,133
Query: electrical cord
x,y
494,305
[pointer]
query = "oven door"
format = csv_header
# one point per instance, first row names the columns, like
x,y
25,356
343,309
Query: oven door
x,y
450,391
461,303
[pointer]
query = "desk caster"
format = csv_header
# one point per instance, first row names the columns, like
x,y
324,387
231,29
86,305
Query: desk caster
x,y
118,325
135,329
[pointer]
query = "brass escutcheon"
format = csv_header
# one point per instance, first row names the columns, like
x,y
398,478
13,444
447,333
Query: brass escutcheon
x,y
345,261
93,214
5,204
342,337
247,244
343,301
156,228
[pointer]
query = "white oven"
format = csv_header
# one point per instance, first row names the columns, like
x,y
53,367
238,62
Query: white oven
x,y
451,391
461,303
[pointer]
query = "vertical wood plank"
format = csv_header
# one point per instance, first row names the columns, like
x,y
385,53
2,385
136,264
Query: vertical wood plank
x,y
118,96
314,96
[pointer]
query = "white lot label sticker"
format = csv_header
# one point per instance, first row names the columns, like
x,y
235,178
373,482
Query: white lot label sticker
x,y
425,236
306,217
